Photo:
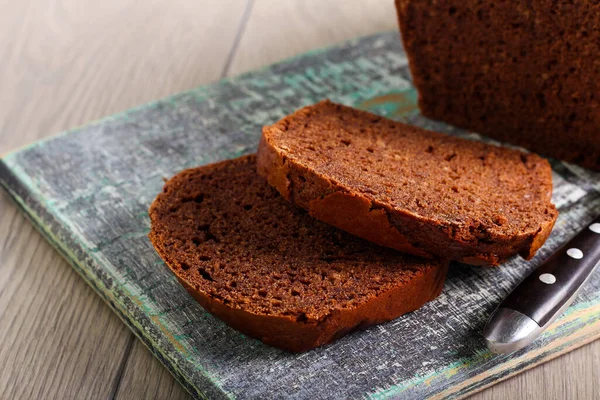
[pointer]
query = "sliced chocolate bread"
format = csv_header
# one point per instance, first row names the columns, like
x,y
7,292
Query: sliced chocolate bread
x,y
414,190
268,269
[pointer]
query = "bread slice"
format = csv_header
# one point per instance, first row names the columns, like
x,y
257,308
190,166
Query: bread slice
x,y
414,190
268,269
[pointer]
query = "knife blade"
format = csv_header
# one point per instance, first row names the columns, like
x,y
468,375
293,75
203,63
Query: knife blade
x,y
545,293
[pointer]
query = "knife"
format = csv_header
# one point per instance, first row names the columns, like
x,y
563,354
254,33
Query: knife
x,y
545,293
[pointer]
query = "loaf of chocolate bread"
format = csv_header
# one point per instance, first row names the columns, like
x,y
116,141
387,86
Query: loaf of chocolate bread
x,y
525,72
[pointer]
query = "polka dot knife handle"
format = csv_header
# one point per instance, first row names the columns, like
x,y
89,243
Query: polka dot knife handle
x,y
543,295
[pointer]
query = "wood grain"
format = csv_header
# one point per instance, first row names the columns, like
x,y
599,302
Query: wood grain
x,y
145,378
56,333
67,62
281,29
575,375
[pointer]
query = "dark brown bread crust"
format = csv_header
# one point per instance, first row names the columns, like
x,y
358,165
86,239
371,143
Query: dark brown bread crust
x,y
414,190
522,72
273,272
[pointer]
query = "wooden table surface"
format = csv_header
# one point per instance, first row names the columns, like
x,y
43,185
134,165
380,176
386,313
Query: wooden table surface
x,y
66,62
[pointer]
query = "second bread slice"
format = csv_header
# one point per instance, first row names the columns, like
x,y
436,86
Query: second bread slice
x,y
404,187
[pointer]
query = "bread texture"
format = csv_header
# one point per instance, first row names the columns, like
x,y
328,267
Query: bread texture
x,y
526,72
400,186
271,271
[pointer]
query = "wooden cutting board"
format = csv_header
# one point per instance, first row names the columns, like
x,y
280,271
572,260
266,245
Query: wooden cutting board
x,y
88,192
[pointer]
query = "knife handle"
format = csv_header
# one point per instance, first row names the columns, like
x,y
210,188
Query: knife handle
x,y
542,296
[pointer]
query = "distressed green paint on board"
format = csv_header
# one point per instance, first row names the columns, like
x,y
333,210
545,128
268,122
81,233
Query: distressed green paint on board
x,y
88,191
397,105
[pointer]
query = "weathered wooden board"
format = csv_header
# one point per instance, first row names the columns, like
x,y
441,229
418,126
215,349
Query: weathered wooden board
x,y
88,192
